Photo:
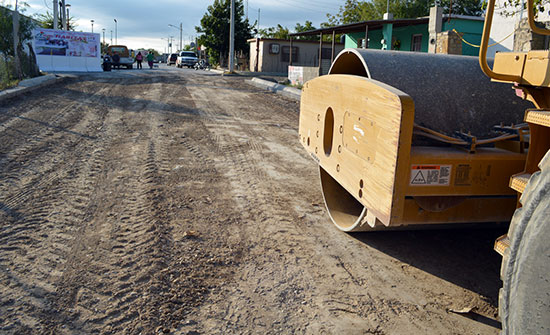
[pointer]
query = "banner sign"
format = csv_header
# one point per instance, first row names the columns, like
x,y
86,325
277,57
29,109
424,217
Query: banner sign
x,y
61,50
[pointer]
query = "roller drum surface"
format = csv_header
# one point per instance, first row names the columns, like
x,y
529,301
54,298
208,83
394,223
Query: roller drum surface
x,y
450,92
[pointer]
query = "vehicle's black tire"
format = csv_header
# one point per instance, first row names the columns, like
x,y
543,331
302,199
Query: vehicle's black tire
x,y
524,300
130,67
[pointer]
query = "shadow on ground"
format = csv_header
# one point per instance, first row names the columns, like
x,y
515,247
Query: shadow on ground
x,y
464,257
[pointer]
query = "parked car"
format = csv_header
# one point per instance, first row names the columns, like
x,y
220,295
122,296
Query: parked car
x,y
186,58
122,51
171,60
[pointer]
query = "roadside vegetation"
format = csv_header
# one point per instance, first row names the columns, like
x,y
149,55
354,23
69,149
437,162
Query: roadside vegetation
x,y
12,68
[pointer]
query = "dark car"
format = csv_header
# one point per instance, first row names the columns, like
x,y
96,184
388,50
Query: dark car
x,y
172,59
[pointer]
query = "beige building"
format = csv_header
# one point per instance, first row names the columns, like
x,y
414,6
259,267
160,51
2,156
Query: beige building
x,y
273,55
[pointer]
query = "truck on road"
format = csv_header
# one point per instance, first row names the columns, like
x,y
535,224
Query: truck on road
x,y
122,51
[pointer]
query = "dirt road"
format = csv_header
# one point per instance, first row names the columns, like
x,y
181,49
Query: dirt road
x,y
180,201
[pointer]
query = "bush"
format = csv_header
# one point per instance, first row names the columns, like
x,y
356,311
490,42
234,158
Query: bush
x,y
8,74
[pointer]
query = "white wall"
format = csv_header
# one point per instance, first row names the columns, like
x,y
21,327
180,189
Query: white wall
x,y
503,26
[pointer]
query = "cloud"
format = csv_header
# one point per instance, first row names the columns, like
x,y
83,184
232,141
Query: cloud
x,y
143,23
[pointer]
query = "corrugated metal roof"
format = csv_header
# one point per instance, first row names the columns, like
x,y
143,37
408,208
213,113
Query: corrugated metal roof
x,y
360,26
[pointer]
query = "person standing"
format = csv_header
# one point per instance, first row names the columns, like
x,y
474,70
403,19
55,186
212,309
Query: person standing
x,y
139,59
150,58
116,60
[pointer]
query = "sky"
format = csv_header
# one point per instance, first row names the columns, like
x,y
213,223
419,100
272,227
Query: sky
x,y
145,24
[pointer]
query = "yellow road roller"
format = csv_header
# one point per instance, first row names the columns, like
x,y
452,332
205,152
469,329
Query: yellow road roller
x,y
408,140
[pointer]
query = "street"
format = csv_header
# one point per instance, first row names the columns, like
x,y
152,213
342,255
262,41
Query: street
x,y
181,201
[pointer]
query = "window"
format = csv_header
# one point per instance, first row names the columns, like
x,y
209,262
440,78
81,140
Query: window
x,y
416,42
285,54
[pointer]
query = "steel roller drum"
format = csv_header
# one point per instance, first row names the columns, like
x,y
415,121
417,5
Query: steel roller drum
x,y
450,92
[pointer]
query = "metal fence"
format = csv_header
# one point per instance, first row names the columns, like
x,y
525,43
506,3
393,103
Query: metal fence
x,y
12,70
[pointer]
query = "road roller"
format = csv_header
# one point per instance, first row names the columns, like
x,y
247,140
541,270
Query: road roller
x,y
409,140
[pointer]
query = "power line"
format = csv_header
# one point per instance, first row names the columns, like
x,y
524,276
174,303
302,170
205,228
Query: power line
x,y
331,5
313,6
303,7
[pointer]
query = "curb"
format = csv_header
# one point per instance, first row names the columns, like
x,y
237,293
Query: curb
x,y
28,85
289,92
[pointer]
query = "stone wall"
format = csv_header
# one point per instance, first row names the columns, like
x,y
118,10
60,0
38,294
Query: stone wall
x,y
526,40
448,42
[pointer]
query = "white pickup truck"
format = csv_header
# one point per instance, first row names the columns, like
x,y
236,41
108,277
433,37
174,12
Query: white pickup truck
x,y
186,58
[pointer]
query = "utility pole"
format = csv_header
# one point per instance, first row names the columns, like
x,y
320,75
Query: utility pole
x,y
116,32
15,22
258,21
181,33
55,15
104,46
232,38
111,37
68,16
92,21
63,15
246,10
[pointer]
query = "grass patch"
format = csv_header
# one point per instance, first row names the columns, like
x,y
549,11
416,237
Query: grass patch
x,y
4,85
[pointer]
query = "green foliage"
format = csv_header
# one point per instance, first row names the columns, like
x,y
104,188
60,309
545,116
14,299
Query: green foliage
x,y
513,6
46,21
279,32
306,27
214,27
27,64
6,31
155,52
104,47
356,11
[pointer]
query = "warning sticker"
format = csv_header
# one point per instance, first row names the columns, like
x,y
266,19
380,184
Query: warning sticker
x,y
430,175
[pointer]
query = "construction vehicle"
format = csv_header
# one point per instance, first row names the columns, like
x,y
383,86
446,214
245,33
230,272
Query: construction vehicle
x,y
414,140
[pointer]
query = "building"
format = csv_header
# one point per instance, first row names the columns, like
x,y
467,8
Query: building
x,y
437,33
511,29
273,55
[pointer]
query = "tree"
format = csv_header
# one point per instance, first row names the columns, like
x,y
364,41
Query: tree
x,y
104,47
306,27
356,11
214,28
6,31
511,7
15,29
279,32
46,21
153,51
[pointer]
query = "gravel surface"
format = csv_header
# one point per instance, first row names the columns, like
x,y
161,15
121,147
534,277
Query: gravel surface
x,y
180,201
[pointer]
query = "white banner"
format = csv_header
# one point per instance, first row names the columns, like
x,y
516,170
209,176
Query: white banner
x,y
60,50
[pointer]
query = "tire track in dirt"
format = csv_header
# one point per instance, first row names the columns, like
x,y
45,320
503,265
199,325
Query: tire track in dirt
x,y
287,239
40,193
263,213
109,277
187,212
